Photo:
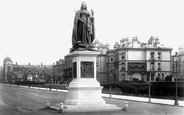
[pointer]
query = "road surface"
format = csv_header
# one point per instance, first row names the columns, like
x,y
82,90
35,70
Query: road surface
x,y
26,101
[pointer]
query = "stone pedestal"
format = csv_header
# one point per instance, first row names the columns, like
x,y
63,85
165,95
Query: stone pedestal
x,y
84,92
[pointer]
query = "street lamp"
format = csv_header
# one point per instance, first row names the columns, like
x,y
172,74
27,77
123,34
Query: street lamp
x,y
176,95
29,81
100,68
110,83
149,83
50,80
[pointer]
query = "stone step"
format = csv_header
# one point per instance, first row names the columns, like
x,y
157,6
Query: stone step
x,y
88,108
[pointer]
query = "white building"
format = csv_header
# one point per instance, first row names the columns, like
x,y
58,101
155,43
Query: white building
x,y
178,63
133,60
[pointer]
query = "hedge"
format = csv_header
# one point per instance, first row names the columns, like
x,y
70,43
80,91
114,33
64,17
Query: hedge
x,y
157,88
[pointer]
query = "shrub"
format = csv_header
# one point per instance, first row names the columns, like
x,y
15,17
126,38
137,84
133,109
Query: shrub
x,y
157,88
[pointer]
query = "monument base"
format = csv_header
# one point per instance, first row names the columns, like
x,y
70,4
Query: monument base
x,y
84,95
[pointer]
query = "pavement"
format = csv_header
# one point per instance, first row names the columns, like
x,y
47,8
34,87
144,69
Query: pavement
x,y
138,105
144,99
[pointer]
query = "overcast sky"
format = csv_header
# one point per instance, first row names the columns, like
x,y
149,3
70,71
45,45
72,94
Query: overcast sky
x,y
38,31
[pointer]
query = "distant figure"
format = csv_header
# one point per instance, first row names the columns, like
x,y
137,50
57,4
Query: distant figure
x,y
83,30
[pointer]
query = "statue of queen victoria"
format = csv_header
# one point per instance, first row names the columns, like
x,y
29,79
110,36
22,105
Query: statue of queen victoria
x,y
83,30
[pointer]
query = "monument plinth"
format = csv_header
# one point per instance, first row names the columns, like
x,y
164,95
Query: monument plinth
x,y
84,92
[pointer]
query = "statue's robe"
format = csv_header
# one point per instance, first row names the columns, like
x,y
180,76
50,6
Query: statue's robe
x,y
83,29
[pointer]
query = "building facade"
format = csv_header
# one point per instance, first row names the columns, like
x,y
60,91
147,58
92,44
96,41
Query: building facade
x,y
58,71
67,68
102,62
7,67
25,73
178,64
133,60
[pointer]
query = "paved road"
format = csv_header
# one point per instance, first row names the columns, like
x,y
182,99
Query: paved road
x,y
25,101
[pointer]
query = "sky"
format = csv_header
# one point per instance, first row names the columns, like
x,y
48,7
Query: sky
x,y
40,31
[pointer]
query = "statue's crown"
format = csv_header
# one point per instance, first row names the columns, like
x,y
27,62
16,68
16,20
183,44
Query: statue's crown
x,y
83,6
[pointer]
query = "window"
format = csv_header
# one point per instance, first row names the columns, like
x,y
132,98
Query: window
x,y
43,76
179,60
159,68
19,76
159,55
117,56
30,77
123,67
182,64
111,57
159,75
142,77
152,54
152,66
107,58
9,68
123,77
162,76
152,77
123,55
36,76
111,68
42,80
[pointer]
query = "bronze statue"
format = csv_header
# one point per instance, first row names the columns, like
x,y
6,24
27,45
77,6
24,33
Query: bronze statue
x,y
83,30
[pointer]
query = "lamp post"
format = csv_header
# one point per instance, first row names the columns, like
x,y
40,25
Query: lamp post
x,y
176,82
149,95
50,80
50,84
110,90
29,82
110,85
100,68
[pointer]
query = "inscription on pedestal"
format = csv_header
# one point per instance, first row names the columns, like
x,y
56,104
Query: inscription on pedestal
x,y
74,69
87,69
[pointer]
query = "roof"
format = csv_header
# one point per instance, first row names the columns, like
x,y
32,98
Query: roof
x,y
24,69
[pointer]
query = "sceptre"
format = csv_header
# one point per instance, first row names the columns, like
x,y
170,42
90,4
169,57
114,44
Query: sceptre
x,y
93,26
